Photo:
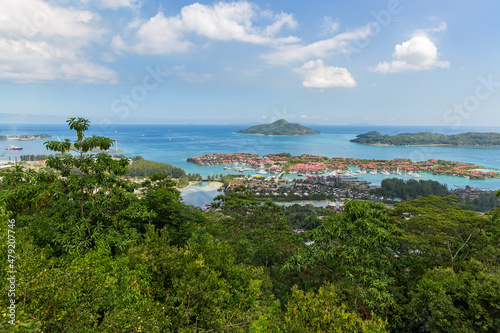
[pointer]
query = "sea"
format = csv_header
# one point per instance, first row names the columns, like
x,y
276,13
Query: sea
x,y
174,143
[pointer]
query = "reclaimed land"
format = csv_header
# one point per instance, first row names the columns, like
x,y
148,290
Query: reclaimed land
x,y
429,139
312,164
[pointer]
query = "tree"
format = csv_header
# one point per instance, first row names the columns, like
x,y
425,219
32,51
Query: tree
x,y
86,204
321,312
164,201
441,233
448,300
355,251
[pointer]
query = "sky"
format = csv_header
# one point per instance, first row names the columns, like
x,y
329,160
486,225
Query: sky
x,y
396,62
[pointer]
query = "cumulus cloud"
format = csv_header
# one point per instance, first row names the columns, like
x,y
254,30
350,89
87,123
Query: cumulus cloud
x,y
234,21
317,75
40,41
418,53
159,35
25,61
339,43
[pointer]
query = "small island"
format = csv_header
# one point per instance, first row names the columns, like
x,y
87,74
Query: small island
x,y
429,139
280,127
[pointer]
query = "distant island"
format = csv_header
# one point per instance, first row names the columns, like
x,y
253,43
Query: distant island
x,y
279,127
27,137
428,138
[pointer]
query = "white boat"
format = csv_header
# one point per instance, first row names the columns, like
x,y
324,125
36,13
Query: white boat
x,y
362,172
349,175
398,172
414,174
385,172
373,172
262,172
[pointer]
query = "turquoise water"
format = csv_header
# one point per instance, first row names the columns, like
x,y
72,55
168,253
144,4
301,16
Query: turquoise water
x,y
175,143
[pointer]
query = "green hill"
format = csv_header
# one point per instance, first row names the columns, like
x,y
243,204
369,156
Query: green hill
x,y
428,138
279,127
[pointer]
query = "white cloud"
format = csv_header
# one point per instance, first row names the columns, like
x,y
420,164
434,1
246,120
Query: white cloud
x,y
234,21
317,75
418,53
189,76
338,44
159,35
329,27
25,61
115,4
40,41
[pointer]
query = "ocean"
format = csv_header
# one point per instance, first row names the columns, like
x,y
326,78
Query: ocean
x,y
175,143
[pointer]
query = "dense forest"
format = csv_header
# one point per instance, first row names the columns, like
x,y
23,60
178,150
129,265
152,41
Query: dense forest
x,y
410,189
93,256
428,138
413,189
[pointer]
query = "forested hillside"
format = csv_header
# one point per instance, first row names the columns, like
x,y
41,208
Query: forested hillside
x,y
93,256
428,138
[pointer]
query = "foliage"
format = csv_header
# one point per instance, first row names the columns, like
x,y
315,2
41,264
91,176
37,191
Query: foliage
x,y
163,200
354,250
201,286
482,202
32,157
448,301
94,253
441,233
410,189
306,217
144,168
429,138
321,312
279,127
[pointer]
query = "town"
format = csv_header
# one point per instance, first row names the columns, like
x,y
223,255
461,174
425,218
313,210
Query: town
x,y
311,164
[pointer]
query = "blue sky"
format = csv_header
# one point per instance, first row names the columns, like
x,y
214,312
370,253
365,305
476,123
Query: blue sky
x,y
397,62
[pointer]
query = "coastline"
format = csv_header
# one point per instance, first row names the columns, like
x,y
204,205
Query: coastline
x,y
426,145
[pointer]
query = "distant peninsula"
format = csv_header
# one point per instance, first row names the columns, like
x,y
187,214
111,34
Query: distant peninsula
x,y
428,139
279,127
27,137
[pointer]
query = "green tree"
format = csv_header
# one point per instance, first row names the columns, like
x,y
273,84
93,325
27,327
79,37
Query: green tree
x,y
87,204
446,300
355,251
322,312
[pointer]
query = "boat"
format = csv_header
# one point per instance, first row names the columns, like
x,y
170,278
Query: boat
x,y
362,172
262,172
373,172
414,174
385,172
349,175
12,147
398,172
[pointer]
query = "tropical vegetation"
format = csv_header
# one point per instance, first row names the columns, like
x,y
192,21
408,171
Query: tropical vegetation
x,y
429,138
95,252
